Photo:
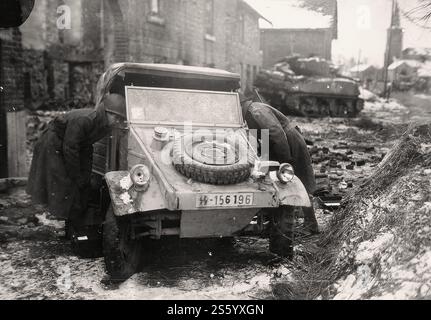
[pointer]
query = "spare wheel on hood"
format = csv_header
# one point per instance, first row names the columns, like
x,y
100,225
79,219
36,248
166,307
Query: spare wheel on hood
x,y
220,159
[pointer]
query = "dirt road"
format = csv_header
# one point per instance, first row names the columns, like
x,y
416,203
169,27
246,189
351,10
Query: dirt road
x,y
37,263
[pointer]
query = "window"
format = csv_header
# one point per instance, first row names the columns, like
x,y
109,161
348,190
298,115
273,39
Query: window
x,y
209,17
155,6
241,28
155,13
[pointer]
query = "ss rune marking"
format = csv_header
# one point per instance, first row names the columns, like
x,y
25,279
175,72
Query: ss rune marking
x,y
203,201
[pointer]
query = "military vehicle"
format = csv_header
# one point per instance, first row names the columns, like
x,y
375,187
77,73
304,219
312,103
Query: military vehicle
x,y
183,165
309,87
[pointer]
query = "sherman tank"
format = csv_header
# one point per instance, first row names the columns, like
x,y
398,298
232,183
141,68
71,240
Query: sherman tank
x,y
309,87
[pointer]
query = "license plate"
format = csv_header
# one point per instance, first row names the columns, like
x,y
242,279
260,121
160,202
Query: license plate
x,y
224,200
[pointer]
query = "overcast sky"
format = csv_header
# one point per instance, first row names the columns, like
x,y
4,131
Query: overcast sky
x,y
362,25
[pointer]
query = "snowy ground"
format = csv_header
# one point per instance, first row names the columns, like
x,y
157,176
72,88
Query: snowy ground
x,y
392,260
37,263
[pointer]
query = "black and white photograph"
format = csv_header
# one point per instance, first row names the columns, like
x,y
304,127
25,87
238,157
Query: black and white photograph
x,y
236,152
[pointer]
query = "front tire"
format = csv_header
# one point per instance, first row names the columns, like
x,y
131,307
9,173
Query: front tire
x,y
282,231
121,253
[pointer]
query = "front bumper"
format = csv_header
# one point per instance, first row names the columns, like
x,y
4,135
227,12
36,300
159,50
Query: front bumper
x,y
125,200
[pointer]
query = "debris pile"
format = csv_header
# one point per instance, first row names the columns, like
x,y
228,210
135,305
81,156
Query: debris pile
x,y
378,246
340,167
343,153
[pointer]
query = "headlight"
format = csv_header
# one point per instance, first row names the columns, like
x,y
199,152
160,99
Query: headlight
x,y
285,173
140,176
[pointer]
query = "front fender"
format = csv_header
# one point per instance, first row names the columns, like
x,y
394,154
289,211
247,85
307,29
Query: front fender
x,y
292,194
126,200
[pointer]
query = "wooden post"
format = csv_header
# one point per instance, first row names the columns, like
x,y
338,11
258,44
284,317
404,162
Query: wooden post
x,y
16,142
3,132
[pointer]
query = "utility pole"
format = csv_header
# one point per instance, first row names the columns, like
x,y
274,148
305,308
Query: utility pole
x,y
358,63
388,52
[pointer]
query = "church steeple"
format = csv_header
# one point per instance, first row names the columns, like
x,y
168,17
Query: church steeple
x,y
395,35
395,19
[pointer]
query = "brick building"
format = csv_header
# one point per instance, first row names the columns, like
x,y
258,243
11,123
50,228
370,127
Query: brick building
x,y
308,31
62,62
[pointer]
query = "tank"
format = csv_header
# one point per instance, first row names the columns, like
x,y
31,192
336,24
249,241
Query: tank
x,y
309,87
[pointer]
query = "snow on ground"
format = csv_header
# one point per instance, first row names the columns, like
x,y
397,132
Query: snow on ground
x,y
396,262
367,95
385,112
48,271
36,263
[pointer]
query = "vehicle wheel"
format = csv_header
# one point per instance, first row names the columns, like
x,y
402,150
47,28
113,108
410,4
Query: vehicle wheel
x,y
220,160
121,253
282,231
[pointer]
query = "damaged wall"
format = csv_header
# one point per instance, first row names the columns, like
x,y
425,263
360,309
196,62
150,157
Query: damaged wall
x,y
61,64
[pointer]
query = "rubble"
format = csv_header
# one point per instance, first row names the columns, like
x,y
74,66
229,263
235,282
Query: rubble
x,y
378,242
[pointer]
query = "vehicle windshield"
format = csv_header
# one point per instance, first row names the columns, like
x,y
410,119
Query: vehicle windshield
x,y
174,106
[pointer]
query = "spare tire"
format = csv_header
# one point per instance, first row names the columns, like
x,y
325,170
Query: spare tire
x,y
221,160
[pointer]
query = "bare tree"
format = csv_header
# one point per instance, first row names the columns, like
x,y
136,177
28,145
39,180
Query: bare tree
x,y
419,14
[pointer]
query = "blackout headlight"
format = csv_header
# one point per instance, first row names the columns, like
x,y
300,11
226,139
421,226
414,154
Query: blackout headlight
x,y
285,173
140,176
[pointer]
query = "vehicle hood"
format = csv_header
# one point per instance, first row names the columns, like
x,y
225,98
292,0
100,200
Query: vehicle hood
x,y
160,163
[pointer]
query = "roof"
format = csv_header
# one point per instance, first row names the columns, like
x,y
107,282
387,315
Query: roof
x,y
418,51
410,63
174,68
252,9
298,14
425,70
361,68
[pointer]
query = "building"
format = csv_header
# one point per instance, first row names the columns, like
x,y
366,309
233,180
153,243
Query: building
x,y
364,72
403,70
309,36
68,43
419,54
395,34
